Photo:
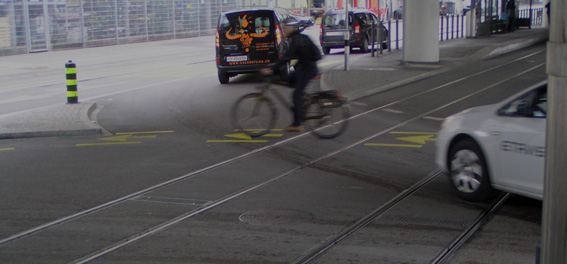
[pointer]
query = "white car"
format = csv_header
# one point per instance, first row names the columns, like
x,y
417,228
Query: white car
x,y
499,146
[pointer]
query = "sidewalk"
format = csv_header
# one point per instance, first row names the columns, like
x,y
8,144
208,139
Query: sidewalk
x,y
367,75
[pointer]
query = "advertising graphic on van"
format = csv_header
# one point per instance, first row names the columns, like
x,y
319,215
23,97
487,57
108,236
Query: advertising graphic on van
x,y
243,33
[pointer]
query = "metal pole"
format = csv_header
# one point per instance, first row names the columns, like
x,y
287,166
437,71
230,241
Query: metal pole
x,y
46,26
146,20
27,26
530,15
84,32
373,36
554,222
116,22
347,38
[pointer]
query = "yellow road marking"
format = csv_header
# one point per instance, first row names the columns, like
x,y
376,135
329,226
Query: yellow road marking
x,y
272,135
124,138
106,144
393,145
6,149
256,130
237,141
239,136
147,132
245,138
418,139
413,133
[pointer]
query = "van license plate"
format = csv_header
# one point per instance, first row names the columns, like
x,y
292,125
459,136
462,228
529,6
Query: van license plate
x,y
334,34
236,58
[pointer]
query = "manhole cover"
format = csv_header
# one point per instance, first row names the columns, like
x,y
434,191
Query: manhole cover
x,y
271,216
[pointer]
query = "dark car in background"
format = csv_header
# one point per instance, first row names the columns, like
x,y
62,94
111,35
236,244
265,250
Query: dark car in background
x,y
248,40
360,21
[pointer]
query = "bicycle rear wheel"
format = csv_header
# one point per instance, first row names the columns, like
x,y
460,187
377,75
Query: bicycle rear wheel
x,y
254,114
326,122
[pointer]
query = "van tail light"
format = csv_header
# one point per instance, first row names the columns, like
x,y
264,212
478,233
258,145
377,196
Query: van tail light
x,y
278,35
217,40
321,31
356,28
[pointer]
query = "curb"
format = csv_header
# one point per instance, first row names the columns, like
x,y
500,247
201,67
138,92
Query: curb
x,y
85,111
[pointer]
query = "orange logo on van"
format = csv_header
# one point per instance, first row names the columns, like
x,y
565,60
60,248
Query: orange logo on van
x,y
243,35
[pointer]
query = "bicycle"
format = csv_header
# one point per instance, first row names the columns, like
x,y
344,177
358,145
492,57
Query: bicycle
x,y
325,113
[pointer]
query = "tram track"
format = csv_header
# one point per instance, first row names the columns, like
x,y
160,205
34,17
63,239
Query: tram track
x,y
312,253
471,230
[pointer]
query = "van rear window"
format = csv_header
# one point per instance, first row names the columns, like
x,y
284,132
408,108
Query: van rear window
x,y
334,20
246,25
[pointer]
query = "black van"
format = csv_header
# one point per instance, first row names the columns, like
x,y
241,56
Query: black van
x,y
360,26
249,39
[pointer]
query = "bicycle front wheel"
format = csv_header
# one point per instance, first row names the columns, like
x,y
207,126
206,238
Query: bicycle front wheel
x,y
254,114
326,122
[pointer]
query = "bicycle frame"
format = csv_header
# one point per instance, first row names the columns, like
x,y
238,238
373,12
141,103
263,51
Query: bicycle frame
x,y
268,88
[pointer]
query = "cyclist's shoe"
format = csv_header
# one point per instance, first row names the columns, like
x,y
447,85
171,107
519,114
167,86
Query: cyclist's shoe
x,y
292,128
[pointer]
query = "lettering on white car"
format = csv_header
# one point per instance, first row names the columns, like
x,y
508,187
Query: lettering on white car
x,y
522,148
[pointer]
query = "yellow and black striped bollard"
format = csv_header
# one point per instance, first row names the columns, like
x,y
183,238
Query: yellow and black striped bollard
x,y
71,74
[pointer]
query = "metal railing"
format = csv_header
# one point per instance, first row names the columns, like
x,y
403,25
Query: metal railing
x,y
42,25
450,27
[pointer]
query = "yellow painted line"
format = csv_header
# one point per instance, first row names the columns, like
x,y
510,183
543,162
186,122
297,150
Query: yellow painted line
x,y
106,144
147,132
418,139
393,145
239,136
124,138
256,130
272,135
413,133
236,141
6,149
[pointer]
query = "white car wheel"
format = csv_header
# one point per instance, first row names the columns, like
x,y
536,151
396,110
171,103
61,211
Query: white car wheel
x,y
468,171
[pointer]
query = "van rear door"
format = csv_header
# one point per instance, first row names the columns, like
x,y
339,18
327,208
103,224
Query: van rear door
x,y
248,38
334,26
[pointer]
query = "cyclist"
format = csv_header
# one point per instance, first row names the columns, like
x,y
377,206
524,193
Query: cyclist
x,y
305,69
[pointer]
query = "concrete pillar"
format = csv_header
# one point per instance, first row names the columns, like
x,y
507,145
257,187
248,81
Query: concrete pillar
x,y
421,31
554,222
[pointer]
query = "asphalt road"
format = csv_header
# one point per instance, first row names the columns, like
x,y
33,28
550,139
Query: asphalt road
x,y
176,184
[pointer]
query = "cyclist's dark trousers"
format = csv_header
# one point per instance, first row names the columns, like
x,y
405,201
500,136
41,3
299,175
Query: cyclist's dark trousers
x,y
302,78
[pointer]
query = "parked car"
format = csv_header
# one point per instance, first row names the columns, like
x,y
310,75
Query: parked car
x,y
247,40
496,147
360,27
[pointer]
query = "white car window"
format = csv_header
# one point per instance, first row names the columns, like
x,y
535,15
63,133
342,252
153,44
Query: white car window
x,y
532,104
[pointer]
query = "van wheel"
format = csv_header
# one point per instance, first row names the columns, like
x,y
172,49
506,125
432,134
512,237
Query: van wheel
x,y
326,50
223,78
364,47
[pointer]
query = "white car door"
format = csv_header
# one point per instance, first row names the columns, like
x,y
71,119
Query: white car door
x,y
521,150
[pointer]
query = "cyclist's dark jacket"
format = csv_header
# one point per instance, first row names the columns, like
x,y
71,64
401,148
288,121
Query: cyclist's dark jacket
x,y
299,49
